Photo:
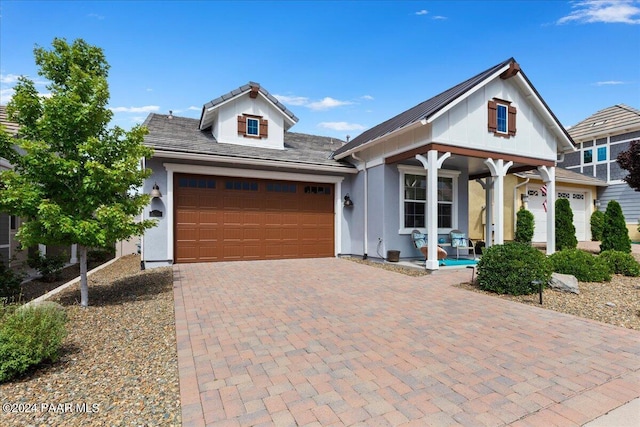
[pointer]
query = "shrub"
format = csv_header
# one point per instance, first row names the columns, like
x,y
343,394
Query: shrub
x,y
615,234
49,266
565,230
524,226
100,254
585,266
621,263
10,289
597,224
510,269
28,337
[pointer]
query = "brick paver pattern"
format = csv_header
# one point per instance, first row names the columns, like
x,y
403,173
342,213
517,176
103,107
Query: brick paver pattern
x,y
322,342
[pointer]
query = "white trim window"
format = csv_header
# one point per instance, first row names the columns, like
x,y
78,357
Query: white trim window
x,y
413,199
253,126
502,118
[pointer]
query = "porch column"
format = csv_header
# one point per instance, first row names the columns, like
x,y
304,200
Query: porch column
x,y
74,254
498,170
42,249
548,175
487,185
431,164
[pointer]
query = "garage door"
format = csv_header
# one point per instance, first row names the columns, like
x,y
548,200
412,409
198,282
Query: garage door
x,y
227,219
577,201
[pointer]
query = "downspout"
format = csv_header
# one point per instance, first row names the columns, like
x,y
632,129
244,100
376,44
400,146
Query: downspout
x,y
366,205
515,205
143,164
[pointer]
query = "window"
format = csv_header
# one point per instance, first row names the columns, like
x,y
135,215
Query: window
x,y
502,118
587,156
413,199
501,124
196,182
252,127
602,154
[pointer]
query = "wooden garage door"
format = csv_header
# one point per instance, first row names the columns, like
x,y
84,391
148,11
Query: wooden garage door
x,y
226,219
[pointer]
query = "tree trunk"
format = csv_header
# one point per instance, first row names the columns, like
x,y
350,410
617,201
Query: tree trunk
x,y
84,288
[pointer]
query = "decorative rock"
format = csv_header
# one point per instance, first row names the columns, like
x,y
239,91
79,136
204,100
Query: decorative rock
x,y
564,283
45,304
610,304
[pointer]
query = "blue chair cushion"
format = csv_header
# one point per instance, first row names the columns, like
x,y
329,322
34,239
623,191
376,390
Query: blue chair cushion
x,y
458,240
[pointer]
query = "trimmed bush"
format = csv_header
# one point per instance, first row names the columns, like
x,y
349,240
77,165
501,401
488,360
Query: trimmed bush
x,y
585,266
510,269
621,263
101,254
615,234
565,230
597,224
524,226
28,337
10,289
49,266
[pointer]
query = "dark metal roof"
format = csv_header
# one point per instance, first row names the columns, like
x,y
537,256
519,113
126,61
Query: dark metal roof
x,y
431,106
422,110
181,135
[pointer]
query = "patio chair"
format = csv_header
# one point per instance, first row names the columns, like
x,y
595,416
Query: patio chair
x,y
459,240
419,241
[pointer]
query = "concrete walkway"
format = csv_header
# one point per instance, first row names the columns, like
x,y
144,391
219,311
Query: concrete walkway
x,y
330,342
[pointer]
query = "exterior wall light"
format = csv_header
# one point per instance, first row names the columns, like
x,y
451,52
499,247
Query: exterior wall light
x,y
524,198
596,203
347,201
155,192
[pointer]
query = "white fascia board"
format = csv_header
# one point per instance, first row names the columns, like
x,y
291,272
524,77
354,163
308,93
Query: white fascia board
x,y
286,117
252,162
260,174
620,130
5,163
468,93
378,140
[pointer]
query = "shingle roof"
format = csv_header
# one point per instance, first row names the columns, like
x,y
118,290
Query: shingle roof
x,y
619,118
181,135
242,89
569,176
11,127
431,106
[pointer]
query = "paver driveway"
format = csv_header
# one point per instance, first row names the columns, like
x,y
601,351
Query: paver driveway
x,y
332,342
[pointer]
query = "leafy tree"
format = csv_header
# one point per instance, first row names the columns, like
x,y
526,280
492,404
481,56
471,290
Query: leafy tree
x,y
565,230
74,180
524,226
615,235
630,160
597,224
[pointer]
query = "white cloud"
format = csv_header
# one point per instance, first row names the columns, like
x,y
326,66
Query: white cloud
x,y
367,97
327,103
9,78
96,16
422,12
145,109
341,126
605,11
439,17
149,89
5,96
194,108
609,83
292,100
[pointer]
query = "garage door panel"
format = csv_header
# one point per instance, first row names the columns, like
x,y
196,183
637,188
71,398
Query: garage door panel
x,y
246,218
577,201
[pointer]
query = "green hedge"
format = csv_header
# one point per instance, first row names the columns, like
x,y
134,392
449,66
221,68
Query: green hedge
x,y
597,224
585,266
615,234
10,289
621,263
511,268
28,337
525,225
565,230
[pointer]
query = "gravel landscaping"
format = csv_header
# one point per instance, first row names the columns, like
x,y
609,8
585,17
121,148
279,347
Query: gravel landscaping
x,y
118,364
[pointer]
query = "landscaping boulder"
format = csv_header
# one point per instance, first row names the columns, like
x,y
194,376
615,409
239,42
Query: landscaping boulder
x,y
564,283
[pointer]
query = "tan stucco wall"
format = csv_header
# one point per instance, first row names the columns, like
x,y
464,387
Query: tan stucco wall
x,y
477,203
634,234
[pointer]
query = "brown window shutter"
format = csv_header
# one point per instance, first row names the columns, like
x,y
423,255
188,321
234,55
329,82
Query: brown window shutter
x,y
264,128
512,120
242,125
493,116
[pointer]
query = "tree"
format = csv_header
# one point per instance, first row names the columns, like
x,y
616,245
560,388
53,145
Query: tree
x,y
615,235
524,226
565,230
597,224
74,181
630,160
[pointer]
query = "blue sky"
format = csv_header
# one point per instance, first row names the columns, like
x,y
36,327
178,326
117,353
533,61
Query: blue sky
x,y
340,66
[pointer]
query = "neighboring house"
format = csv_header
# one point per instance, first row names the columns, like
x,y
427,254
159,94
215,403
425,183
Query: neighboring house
x,y
579,189
599,139
237,185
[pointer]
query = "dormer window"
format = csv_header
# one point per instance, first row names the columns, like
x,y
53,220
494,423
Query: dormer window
x,y
251,126
502,118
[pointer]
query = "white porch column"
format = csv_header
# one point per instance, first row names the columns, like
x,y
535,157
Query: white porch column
x,y
74,254
431,164
487,185
42,248
498,170
548,175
